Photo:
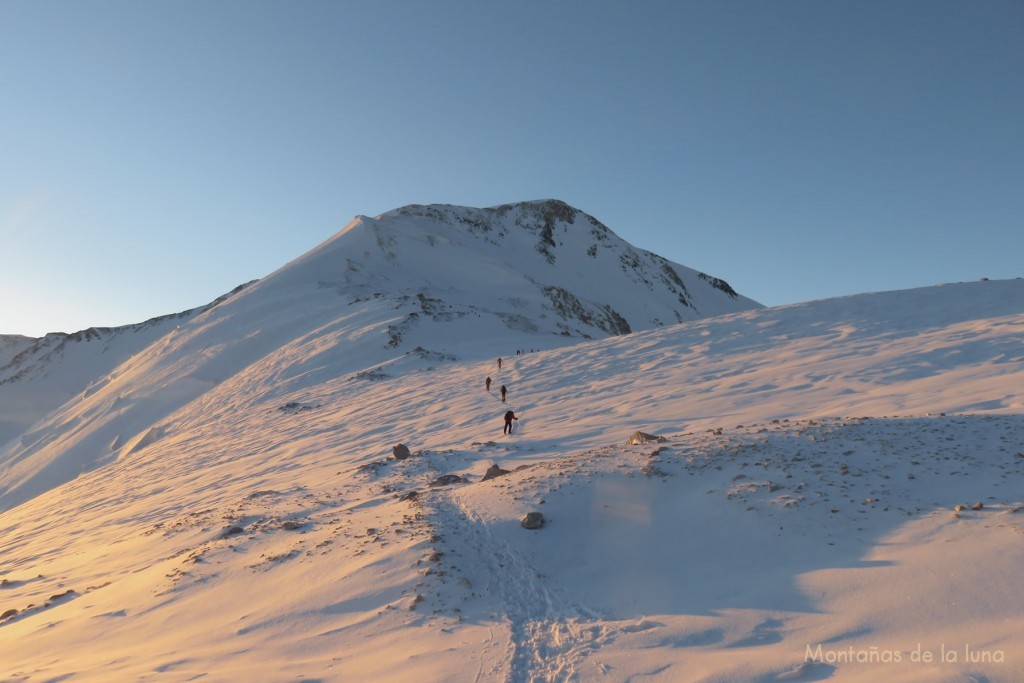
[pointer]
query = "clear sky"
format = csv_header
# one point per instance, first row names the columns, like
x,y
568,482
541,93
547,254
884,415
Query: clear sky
x,y
154,155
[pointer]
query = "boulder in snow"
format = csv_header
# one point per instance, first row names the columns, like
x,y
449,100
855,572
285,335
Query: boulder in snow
x,y
640,438
446,479
296,407
401,451
533,520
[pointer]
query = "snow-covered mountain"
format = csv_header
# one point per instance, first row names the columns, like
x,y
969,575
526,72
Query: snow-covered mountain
x,y
225,503
420,284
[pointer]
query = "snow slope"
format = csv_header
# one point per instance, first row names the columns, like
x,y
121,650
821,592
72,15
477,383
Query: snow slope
x,y
797,521
435,283
39,375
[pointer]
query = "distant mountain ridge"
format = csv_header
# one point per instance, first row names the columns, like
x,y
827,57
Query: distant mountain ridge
x,y
26,354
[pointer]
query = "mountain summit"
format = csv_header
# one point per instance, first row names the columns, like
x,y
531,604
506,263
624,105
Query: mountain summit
x,y
419,285
536,267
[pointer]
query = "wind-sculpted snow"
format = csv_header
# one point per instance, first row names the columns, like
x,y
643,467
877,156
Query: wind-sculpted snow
x,y
836,491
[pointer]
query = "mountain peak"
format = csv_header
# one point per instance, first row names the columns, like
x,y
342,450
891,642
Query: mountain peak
x,y
541,261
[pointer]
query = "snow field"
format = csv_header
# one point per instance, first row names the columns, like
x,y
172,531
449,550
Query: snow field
x,y
804,497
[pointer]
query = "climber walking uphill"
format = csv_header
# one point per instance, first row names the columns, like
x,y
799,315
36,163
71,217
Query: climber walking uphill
x,y
509,416
487,384
503,391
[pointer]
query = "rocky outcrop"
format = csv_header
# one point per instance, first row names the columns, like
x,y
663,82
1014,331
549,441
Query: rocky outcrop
x,y
494,471
603,317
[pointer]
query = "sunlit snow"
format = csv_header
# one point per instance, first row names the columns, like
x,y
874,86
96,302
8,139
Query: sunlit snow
x,y
219,498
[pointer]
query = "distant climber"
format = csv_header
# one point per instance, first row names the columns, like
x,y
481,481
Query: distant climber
x,y
503,391
509,416
499,364
487,384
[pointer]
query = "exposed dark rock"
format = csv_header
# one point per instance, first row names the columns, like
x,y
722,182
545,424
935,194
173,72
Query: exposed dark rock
x,y
533,520
605,318
296,407
616,324
395,332
401,451
448,479
373,375
718,284
431,355
494,471
670,278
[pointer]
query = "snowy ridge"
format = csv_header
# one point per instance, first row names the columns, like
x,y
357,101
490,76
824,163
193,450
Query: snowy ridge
x,y
39,375
796,521
24,356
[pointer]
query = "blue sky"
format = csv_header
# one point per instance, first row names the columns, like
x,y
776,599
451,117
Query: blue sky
x,y
154,155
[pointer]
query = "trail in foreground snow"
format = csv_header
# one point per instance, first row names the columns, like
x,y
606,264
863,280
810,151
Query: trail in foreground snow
x,y
821,531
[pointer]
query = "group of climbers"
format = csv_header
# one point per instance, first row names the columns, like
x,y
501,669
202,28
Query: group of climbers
x,y
509,415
